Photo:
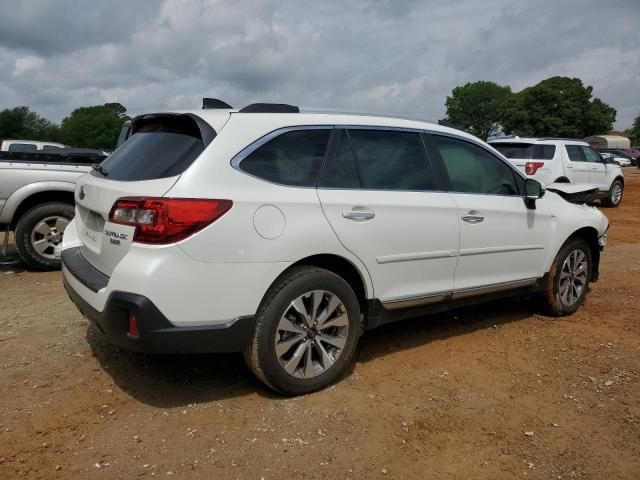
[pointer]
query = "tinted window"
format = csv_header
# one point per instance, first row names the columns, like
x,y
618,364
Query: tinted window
x,y
340,171
526,151
472,169
293,158
590,155
391,160
574,153
160,148
22,147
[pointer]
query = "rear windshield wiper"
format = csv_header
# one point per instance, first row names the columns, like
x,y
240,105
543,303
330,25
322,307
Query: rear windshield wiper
x,y
100,169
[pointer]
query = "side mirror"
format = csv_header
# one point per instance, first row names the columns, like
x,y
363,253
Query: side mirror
x,y
532,191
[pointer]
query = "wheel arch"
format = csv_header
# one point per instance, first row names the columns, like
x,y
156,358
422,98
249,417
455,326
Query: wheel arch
x,y
561,180
340,266
590,236
40,198
620,178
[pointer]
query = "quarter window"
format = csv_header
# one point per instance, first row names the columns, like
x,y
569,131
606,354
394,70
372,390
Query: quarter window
x,y
293,158
472,169
391,160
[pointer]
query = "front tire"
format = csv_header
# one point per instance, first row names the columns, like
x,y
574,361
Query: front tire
x,y
567,282
614,196
39,233
306,332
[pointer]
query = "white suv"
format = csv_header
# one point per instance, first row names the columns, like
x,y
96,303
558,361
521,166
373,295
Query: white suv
x,y
286,235
553,160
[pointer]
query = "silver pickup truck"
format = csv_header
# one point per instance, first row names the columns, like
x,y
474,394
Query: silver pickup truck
x,y
36,199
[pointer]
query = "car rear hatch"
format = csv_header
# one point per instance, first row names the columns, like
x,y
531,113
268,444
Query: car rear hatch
x,y
148,164
527,157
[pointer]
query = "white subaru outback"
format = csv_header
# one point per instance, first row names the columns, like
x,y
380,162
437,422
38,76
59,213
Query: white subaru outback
x,y
286,235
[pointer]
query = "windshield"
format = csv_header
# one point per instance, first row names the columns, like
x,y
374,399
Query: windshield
x,y
525,151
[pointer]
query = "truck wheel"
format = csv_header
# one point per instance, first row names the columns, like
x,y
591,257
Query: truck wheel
x,y
306,332
39,234
614,196
567,282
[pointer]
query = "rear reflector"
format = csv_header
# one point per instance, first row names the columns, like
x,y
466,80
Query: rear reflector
x,y
532,167
167,220
133,325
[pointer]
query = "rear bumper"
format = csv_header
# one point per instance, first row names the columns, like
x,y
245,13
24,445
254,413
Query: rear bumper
x,y
156,333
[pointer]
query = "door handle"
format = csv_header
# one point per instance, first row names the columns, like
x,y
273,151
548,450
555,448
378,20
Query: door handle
x,y
358,214
594,168
473,217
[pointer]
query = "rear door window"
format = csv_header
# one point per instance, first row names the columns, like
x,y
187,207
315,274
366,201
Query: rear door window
x,y
526,151
161,147
574,153
472,169
293,158
391,160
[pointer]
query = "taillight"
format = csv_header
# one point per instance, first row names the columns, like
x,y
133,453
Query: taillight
x,y
166,220
532,167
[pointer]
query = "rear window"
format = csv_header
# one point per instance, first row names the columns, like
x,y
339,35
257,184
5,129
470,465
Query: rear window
x,y
22,147
526,151
160,147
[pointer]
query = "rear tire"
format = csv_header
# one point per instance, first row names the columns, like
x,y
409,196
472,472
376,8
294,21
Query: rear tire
x,y
290,353
614,195
39,233
567,282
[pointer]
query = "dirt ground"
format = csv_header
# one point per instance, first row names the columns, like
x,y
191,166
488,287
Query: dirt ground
x,y
495,391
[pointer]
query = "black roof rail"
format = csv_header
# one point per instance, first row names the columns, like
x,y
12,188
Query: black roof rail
x,y
214,103
270,108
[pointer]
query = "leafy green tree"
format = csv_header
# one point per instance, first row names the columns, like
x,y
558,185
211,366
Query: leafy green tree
x,y
634,131
94,127
557,106
477,107
23,123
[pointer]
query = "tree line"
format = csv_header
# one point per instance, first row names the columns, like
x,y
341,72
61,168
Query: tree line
x,y
96,126
557,106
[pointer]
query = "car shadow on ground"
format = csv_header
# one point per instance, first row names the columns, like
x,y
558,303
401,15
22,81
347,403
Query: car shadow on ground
x,y
420,331
169,381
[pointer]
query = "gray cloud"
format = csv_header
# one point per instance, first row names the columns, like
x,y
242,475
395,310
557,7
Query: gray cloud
x,y
386,56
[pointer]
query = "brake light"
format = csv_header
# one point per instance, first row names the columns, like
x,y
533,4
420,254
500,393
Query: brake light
x,y
166,220
532,167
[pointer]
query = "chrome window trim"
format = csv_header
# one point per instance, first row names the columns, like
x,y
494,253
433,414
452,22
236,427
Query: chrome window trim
x,y
246,151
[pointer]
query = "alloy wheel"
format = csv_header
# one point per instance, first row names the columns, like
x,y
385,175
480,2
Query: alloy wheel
x,y
573,277
47,235
311,334
616,194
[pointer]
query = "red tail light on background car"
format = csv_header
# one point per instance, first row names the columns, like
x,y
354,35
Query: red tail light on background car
x,y
531,168
166,220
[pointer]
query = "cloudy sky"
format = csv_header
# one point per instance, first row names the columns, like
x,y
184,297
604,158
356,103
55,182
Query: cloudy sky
x,y
394,56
